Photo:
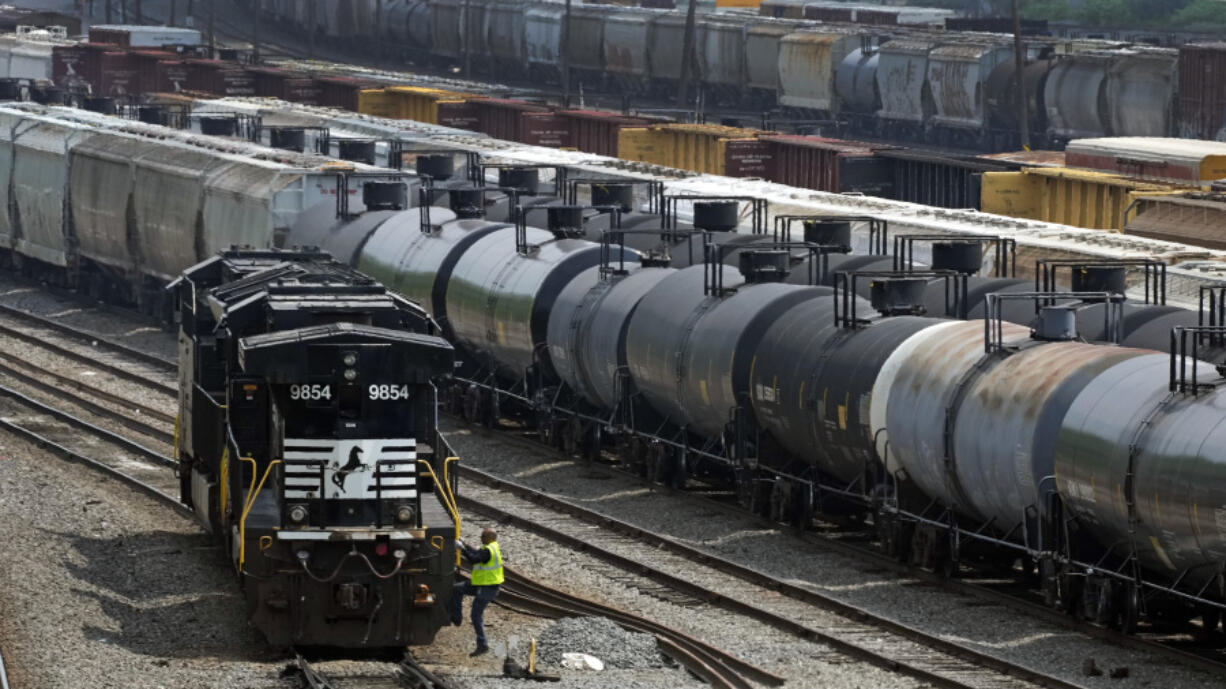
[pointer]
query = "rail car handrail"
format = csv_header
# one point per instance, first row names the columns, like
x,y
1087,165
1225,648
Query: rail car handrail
x,y
1046,272
1005,249
252,494
447,498
1180,381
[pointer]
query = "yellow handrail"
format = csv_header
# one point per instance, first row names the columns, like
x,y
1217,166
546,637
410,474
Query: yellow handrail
x,y
223,489
175,450
448,501
252,494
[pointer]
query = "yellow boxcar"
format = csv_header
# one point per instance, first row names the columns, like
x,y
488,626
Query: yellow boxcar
x,y
1082,198
416,103
695,147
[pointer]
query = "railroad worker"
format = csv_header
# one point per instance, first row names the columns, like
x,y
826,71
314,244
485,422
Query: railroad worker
x,y
487,575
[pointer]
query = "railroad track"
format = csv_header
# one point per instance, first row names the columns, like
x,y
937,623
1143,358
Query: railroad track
x,y
96,351
820,618
409,674
719,668
147,470
1206,658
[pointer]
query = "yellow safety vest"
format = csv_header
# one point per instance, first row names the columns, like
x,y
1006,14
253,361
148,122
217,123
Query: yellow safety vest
x,y
489,573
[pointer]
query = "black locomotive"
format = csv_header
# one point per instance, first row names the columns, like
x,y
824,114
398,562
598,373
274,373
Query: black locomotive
x,y
308,445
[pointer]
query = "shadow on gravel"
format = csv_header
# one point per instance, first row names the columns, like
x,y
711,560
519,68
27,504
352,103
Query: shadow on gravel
x,y
163,594
148,565
203,627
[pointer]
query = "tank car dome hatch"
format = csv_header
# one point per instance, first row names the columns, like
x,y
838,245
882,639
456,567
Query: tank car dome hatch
x,y
287,138
1112,279
898,296
218,126
620,196
565,221
438,166
385,196
100,104
467,202
1055,324
764,265
525,180
965,257
716,216
834,233
356,150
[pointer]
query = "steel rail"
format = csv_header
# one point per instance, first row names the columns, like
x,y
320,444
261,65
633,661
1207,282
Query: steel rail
x,y
877,558
82,424
718,667
722,600
107,412
79,357
70,454
82,334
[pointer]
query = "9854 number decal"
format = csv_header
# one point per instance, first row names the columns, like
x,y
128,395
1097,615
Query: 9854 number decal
x,y
310,392
388,392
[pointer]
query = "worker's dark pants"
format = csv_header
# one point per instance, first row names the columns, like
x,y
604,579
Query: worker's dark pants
x,y
482,597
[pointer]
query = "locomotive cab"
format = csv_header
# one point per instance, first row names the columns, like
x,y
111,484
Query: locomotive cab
x,y
313,449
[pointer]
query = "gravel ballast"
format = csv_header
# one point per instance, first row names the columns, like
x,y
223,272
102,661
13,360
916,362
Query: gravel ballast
x,y
599,637
957,617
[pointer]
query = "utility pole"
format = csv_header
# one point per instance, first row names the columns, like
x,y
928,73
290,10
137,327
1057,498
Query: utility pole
x,y
212,36
566,57
468,62
109,18
379,29
255,34
1019,67
687,54
171,19
140,15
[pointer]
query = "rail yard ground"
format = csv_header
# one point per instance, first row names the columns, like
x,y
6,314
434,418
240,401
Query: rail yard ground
x,y
111,585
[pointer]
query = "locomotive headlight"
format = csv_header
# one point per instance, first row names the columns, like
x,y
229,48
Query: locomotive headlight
x,y
351,374
404,514
298,513
350,359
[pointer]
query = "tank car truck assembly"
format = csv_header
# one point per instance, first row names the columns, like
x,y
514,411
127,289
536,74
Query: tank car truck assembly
x,y
308,445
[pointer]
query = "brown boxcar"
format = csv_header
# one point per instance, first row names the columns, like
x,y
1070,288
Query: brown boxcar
x,y
596,132
79,65
119,75
545,129
1202,91
503,118
829,165
341,92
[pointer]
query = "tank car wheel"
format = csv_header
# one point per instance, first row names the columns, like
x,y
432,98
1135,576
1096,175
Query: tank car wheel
x,y
1049,582
1210,618
1128,608
569,436
676,470
547,427
472,410
595,443
1070,587
657,460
